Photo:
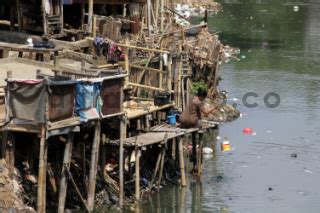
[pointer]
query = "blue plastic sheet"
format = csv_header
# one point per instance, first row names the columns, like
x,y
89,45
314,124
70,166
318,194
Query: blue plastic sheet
x,y
88,100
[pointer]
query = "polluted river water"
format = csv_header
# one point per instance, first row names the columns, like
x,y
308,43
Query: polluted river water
x,y
276,169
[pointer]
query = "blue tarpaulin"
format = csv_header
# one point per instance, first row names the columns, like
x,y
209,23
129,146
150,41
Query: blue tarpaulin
x,y
88,100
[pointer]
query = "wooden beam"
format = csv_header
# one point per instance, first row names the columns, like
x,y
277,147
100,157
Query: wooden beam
x,y
65,166
93,166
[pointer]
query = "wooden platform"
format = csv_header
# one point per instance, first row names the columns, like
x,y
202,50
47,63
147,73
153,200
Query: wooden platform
x,y
160,134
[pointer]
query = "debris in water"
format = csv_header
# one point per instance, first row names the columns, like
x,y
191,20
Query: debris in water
x,y
218,137
207,150
225,145
295,8
243,56
270,188
269,131
254,134
308,171
247,131
294,155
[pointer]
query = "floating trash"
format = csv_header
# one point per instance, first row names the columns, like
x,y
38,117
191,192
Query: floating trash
x,y
308,171
270,188
254,134
225,145
269,131
295,8
247,130
294,155
218,137
207,150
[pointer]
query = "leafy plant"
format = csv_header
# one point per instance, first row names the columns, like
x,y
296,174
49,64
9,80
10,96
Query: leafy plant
x,y
197,85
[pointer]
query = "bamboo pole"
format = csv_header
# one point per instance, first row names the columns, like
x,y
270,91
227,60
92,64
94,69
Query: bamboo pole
x,y
169,86
149,16
137,171
127,67
66,165
90,15
122,137
155,170
44,17
162,11
61,16
194,150
41,205
181,163
163,153
200,156
93,166
94,28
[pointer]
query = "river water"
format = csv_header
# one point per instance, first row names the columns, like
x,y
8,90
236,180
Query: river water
x,y
280,49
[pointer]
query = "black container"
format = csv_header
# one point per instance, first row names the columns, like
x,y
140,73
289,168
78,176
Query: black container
x,y
162,98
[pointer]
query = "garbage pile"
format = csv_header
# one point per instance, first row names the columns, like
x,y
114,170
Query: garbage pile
x,y
11,191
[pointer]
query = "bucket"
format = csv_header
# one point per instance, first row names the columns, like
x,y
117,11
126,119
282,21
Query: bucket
x,y
172,119
225,146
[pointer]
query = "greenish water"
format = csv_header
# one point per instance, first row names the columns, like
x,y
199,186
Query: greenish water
x,y
280,51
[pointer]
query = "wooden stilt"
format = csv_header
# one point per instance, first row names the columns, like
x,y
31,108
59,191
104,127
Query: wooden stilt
x,y
194,151
93,166
163,153
137,172
156,169
181,163
122,137
66,165
41,200
200,156
173,148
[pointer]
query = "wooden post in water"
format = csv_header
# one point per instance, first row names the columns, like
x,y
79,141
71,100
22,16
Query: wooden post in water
x,y
163,153
66,166
41,196
194,150
181,163
137,171
93,166
200,155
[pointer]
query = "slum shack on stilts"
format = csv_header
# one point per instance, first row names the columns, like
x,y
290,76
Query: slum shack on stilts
x,y
85,123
